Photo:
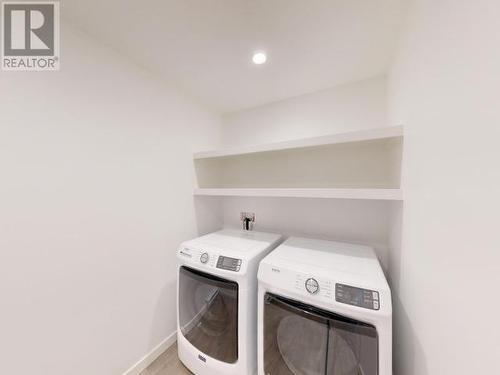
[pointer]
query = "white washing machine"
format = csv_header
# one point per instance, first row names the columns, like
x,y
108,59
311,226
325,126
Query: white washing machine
x,y
217,299
324,308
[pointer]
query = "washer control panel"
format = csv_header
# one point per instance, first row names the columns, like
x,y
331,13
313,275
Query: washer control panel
x,y
230,264
368,299
198,256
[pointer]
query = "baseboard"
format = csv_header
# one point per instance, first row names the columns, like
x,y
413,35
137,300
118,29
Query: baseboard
x,y
149,358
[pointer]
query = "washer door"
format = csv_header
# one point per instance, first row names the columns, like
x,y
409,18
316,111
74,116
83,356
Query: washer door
x,y
208,313
302,340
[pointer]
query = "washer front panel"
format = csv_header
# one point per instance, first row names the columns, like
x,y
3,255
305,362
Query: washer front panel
x,y
208,314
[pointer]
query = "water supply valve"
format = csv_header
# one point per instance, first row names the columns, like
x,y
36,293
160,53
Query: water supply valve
x,y
247,220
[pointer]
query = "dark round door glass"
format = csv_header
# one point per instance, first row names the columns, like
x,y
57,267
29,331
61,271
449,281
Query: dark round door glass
x,y
302,340
208,313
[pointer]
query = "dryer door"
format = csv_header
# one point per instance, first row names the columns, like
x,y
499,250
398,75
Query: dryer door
x,y
208,313
303,340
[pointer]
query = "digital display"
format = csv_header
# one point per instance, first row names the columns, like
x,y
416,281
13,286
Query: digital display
x,y
368,299
231,264
228,262
354,296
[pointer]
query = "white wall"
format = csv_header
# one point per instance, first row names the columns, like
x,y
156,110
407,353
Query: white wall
x,y
361,105
95,195
356,106
445,89
356,221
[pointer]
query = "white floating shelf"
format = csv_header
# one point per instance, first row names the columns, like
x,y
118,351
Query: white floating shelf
x,y
356,136
368,194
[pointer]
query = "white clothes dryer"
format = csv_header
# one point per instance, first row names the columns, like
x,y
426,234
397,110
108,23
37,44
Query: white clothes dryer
x,y
324,308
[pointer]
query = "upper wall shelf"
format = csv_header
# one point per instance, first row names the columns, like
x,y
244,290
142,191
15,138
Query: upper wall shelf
x,y
364,194
356,136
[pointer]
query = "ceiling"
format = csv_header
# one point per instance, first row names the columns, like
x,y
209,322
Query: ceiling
x,y
204,47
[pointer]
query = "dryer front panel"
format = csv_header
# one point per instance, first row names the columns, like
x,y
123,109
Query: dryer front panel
x,y
208,313
303,340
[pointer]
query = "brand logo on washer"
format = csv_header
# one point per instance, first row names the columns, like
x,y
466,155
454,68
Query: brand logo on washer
x,y
277,270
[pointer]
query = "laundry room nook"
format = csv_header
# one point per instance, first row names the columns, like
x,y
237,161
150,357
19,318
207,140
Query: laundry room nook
x,y
336,199
235,187
343,185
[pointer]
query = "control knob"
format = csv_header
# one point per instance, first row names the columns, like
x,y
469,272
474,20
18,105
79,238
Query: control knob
x,y
312,286
204,258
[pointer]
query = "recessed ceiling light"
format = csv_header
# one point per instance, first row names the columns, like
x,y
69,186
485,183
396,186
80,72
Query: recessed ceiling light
x,y
259,57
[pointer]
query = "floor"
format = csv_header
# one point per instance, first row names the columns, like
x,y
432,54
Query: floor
x,y
167,364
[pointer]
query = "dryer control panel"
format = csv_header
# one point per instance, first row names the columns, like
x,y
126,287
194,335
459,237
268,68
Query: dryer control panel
x,y
368,299
324,290
328,289
314,286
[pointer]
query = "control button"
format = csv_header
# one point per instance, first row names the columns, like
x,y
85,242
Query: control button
x,y
375,305
375,295
204,258
312,286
